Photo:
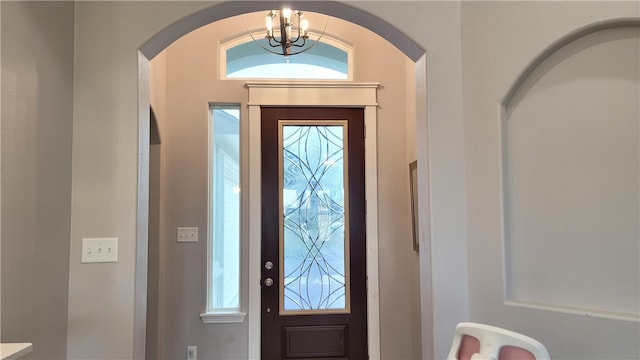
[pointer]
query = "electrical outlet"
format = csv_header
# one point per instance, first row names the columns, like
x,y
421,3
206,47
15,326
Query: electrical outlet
x,y
99,250
192,352
187,234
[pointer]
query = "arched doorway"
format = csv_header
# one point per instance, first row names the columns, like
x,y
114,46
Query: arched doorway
x,y
156,44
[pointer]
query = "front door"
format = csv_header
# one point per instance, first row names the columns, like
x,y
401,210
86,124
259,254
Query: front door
x,y
314,303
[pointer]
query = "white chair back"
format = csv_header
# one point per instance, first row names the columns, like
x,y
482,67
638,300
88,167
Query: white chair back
x,y
473,341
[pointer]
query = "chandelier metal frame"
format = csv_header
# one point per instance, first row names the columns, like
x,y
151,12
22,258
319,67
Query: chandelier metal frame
x,y
283,18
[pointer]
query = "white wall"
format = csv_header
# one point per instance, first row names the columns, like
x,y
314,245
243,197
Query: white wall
x,y
37,100
191,83
572,160
105,156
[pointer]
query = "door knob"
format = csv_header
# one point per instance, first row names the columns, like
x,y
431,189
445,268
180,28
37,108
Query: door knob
x,y
268,282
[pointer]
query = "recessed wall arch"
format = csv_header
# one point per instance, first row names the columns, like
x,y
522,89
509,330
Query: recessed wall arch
x,y
174,31
560,43
569,156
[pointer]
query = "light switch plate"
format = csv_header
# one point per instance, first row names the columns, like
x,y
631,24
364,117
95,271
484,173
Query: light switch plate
x,y
99,250
187,234
192,352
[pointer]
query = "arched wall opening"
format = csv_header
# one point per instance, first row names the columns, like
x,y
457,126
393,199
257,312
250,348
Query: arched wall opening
x,y
155,45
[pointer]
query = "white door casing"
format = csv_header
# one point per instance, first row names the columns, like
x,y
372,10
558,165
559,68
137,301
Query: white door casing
x,y
334,94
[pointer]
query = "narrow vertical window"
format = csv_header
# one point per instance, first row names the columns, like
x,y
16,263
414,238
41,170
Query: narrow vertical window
x,y
224,210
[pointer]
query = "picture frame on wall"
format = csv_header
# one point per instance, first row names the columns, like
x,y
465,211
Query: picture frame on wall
x,y
413,186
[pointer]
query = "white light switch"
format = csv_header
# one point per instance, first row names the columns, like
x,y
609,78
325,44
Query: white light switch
x,y
192,352
187,234
95,250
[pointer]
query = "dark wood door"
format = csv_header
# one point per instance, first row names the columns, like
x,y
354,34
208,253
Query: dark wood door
x,y
313,234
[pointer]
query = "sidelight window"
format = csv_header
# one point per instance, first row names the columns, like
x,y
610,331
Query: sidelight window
x,y
223,293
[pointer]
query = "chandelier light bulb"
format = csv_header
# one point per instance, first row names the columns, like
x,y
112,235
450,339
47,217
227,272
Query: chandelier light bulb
x,y
286,15
269,23
282,37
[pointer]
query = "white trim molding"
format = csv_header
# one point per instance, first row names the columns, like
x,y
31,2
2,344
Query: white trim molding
x,y
222,317
329,94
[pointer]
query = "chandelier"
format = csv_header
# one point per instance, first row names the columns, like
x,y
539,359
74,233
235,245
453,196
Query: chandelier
x,y
279,30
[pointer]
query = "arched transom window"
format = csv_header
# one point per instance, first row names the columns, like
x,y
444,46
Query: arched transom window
x,y
245,58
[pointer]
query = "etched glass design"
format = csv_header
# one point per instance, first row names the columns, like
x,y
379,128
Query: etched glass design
x,y
314,238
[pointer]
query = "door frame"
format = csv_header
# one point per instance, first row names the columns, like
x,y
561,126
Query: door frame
x,y
330,94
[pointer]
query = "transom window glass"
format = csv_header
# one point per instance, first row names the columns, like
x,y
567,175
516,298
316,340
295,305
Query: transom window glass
x,y
324,60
